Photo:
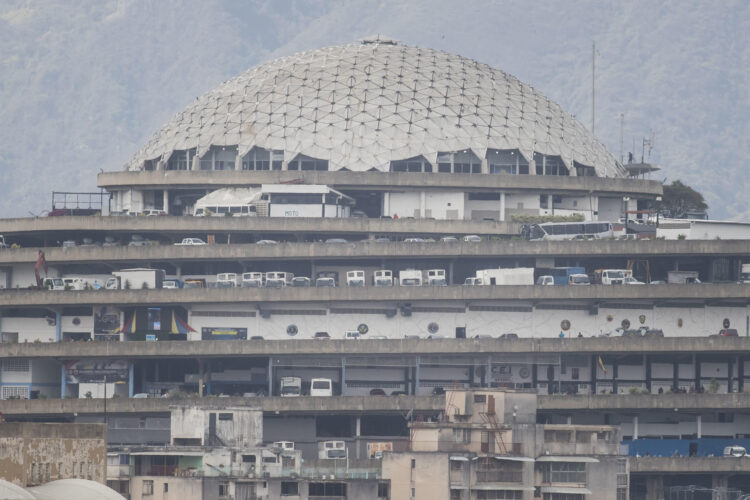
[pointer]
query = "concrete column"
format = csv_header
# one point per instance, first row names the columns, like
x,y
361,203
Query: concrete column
x,y
208,378
63,383
201,374
356,435
502,206
131,376
58,326
270,376
635,427
343,378
698,426
488,374
422,204
720,482
165,201
416,375
654,487
386,203
485,166
449,276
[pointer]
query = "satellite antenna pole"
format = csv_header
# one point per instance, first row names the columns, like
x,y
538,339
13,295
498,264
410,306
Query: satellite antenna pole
x,y
593,94
622,123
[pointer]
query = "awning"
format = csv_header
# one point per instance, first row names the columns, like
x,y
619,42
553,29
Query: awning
x,y
565,489
459,458
514,459
495,487
575,459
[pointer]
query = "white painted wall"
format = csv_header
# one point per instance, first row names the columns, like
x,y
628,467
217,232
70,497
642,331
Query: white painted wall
x,y
428,204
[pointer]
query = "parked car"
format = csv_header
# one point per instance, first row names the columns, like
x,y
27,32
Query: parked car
x,y
382,239
154,211
377,392
336,240
321,335
545,280
300,281
266,242
191,241
629,280
449,239
325,282
472,238
414,240
509,336
358,214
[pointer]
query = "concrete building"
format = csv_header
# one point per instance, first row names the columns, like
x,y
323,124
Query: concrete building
x,y
36,453
258,202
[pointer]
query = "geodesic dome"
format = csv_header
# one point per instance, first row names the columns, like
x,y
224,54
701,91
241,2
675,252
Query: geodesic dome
x,y
363,105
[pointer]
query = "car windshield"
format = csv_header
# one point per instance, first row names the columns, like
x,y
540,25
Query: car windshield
x,y
290,390
321,385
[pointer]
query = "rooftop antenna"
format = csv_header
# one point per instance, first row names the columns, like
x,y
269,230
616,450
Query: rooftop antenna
x,y
622,123
647,142
593,93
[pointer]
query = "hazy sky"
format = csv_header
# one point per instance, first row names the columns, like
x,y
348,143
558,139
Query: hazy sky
x,y
83,84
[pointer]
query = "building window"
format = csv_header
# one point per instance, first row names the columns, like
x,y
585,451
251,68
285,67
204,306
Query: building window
x,y
413,463
15,365
563,496
415,164
622,494
226,416
549,165
289,488
223,490
166,487
383,490
15,392
506,162
148,487
456,465
327,489
302,162
499,495
564,472
492,470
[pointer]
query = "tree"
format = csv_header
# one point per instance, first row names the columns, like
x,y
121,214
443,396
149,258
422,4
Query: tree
x,y
679,198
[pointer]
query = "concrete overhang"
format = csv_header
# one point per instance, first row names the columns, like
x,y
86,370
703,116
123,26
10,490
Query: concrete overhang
x,y
381,181
290,349
358,251
682,465
358,405
639,402
263,297
178,226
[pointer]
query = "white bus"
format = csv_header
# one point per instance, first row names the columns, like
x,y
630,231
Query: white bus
x,y
567,231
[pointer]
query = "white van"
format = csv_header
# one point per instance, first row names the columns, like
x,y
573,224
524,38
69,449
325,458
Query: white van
x,y
321,387
355,278
735,451
252,280
382,277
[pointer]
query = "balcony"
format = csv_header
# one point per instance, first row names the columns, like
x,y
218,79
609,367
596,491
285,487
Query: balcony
x,y
341,469
500,476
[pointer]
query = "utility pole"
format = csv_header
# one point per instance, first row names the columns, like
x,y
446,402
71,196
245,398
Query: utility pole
x,y
622,124
593,85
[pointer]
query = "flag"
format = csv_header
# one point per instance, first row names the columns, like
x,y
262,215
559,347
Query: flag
x,y
601,365
179,326
128,326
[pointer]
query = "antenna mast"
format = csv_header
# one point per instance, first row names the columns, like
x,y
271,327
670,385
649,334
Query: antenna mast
x,y
593,93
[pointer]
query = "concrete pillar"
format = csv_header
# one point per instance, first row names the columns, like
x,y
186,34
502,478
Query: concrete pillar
x,y
208,378
485,166
131,377
698,426
488,373
654,487
422,204
343,377
449,276
201,374
416,375
58,326
635,427
270,376
165,201
357,434
720,482
386,203
63,383
502,206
